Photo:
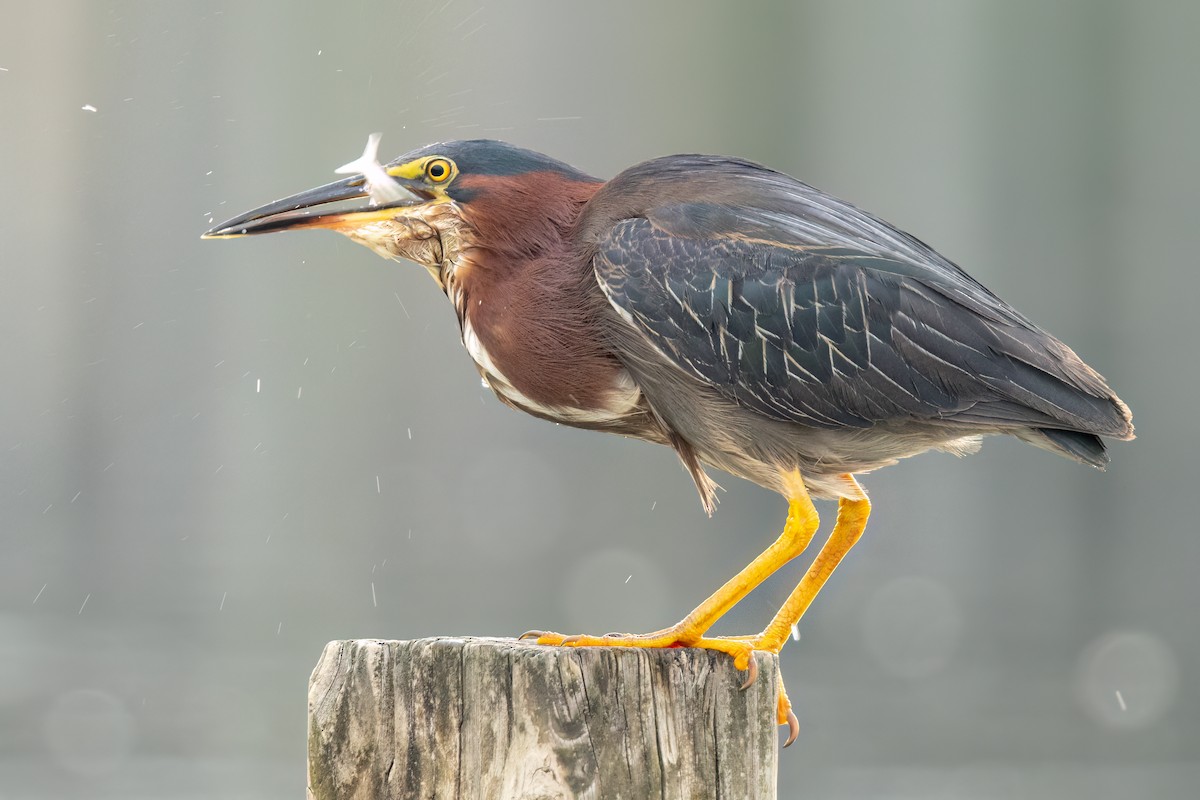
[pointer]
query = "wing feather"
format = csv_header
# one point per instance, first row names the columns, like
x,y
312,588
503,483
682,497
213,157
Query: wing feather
x,y
838,337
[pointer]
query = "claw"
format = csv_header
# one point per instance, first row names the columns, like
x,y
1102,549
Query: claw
x,y
570,640
531,635
793,728
752,673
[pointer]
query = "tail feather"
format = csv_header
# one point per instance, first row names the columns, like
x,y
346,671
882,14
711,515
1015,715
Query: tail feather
x,y
1086,448
1099,411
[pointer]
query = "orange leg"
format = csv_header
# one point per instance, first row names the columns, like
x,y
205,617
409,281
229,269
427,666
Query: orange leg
x,y
801,524
851,521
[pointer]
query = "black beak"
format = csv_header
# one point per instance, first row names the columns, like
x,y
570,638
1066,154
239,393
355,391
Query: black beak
x,y
312,209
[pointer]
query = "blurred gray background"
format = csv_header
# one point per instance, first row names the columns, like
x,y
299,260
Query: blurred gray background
x,y
216,456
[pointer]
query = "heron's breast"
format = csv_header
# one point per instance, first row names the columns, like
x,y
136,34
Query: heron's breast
x,y
583,391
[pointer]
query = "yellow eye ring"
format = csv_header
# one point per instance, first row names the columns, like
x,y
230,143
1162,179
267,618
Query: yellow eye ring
x,y
438,170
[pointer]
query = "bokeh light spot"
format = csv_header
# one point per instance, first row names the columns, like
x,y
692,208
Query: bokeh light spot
x,y
89,732
912,626
1127,679
511,504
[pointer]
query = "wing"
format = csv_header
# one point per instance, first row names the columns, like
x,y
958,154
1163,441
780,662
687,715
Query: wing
x,y
813,312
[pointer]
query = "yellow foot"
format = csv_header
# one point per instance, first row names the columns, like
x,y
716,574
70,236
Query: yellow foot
x,y
785,714
740,648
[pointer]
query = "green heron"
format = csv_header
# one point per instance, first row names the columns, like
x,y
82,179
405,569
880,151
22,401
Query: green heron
x,y
750,322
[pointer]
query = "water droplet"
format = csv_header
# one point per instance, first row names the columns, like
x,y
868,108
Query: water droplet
x,y
593,602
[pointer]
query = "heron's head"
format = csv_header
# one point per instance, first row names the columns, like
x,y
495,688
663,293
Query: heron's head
x,y
442,199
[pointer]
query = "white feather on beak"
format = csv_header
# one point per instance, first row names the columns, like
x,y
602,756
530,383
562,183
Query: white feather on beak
x,y
382,189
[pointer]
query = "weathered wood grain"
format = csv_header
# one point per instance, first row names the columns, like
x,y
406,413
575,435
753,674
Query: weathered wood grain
x,y
460,719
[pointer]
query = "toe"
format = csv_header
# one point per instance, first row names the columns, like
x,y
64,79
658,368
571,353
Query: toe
x,y
786,716
751,674
543,637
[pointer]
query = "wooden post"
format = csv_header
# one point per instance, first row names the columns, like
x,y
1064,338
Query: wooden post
x,y
498,719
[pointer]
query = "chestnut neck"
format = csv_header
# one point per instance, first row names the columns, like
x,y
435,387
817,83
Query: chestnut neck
x,y
529,297
516,228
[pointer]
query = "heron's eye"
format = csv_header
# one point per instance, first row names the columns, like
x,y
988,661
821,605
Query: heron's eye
x,y
438,170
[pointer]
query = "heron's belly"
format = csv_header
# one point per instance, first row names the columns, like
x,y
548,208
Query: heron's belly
x,y
743,442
